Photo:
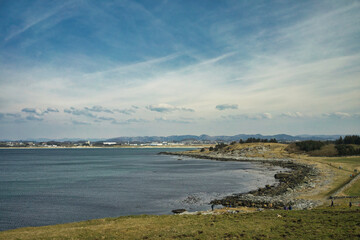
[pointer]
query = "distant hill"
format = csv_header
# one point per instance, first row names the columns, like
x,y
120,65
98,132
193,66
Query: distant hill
x,y
179,138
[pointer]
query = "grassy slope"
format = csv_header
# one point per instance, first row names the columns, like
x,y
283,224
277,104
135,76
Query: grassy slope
x,y
327,223
341,168
354,190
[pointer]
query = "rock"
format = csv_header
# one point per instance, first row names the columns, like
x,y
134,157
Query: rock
x,y
281,175
275,196
177,211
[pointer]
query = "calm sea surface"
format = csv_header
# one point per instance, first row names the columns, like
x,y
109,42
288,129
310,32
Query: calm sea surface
x,y
50,186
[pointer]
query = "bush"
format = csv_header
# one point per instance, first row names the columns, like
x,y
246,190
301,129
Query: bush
x,y
310,145
257,140
346,150
220,146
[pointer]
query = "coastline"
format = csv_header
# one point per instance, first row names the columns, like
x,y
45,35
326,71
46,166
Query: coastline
x,y
276,196
317,185
87,147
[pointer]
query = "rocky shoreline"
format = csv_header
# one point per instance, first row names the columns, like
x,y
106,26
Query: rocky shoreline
x,y
277,196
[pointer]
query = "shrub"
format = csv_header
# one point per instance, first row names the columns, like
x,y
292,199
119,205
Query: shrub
x,y
346,150
310,145
220,146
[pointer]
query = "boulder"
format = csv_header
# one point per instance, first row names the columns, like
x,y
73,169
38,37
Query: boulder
x,y
177,211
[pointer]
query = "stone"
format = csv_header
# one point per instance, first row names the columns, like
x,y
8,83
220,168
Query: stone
x,y
177,211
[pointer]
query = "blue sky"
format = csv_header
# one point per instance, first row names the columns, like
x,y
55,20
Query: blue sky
x,y
130,68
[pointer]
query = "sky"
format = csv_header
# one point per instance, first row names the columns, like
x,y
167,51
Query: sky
x,y
102,69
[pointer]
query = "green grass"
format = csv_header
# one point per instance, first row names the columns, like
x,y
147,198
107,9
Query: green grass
x,y
347,163
328,223
354,189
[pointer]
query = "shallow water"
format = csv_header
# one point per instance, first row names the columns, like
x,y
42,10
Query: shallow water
x,y
50,186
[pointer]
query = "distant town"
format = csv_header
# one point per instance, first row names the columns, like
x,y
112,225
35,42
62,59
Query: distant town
x,y
157,141
69,144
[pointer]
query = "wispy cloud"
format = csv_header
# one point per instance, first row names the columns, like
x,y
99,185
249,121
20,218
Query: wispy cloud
x,y
32,20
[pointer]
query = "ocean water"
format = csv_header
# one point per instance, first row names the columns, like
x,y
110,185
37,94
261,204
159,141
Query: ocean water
x,y
50,186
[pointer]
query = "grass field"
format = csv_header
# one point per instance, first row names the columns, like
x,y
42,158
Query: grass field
x,y
329,223
354,190
346,163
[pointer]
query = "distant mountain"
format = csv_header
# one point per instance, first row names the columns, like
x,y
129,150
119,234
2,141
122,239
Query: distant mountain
x,y
179,138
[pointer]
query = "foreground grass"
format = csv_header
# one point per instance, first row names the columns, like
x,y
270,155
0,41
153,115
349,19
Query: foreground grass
x,y
328,223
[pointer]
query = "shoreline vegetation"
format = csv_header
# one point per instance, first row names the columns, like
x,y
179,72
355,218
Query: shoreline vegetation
x,y
259,214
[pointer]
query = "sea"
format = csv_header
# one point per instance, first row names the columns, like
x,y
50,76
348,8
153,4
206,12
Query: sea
x,y
51,186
